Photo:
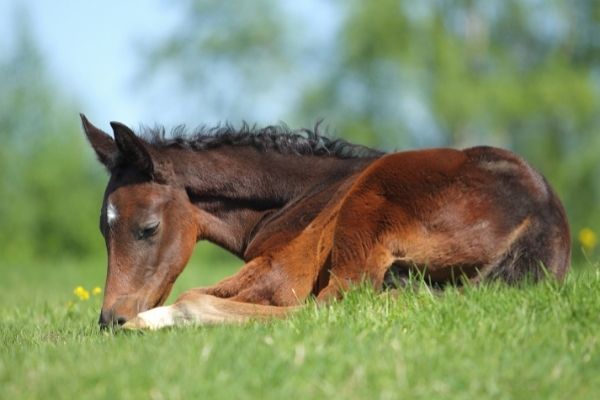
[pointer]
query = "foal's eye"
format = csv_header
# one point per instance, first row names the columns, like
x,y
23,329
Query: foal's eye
x,y
148,231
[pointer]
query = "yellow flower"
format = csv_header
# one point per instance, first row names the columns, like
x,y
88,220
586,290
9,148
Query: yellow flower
x,y
588,238
96,291
81,293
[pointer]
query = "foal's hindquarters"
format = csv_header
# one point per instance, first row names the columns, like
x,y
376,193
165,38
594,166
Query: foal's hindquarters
x,y
478,214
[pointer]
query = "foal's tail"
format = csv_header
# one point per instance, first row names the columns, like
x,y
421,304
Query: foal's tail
x,y
544,247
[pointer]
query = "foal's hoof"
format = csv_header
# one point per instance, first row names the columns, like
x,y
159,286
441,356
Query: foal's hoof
x,y
156,318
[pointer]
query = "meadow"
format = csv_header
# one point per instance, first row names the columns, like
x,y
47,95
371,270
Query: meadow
x,y
497,342
387,74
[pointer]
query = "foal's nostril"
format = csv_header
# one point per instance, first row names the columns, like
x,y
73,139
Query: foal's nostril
x,y
121,320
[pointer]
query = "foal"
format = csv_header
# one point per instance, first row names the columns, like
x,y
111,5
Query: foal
x,y
311,216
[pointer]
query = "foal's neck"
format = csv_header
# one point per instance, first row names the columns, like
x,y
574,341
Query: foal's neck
x,y
239,186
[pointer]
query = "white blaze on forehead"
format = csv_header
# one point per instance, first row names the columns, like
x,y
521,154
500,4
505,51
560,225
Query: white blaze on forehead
x,y
111,213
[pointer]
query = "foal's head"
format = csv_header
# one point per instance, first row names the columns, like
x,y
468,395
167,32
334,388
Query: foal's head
x,y
147,220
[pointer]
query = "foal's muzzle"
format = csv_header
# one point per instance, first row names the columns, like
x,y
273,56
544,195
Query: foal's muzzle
x,y
109,318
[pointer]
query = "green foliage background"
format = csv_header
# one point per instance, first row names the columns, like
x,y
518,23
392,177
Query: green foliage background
x,y
391,74
50,190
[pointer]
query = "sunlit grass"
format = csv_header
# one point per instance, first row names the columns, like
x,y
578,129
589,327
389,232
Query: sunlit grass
x,y
539,341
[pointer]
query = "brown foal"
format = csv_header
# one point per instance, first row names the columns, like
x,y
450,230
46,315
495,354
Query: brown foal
x,y
311,216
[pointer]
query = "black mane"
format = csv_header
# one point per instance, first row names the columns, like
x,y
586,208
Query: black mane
x,y
279,138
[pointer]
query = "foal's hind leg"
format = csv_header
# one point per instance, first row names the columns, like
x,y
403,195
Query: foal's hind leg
x,y
203,309
351,268
359,251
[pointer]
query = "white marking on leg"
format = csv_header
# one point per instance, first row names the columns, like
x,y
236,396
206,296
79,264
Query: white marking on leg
x,y
158,317
111,213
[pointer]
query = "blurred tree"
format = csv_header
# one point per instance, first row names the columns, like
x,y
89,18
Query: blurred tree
x,y
516,73
502,72
46,175
218,46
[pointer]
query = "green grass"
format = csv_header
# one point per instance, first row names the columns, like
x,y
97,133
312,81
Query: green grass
x,y
536,342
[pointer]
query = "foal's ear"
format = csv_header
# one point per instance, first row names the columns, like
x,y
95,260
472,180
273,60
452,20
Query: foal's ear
x,y
139,154
133,150
102,143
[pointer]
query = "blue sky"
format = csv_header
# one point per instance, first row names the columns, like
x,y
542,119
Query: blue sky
x,y
92,49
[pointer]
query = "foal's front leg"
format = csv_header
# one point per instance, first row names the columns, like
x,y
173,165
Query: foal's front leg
x,y
233,285
204,309
213,305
